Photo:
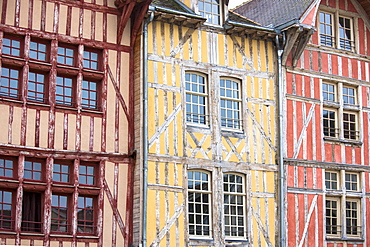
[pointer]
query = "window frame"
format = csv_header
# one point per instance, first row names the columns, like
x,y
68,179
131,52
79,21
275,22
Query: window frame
x,y
244,215
42,171
97,94
335,29
45,85
338,227
235,126
198,95
19,87
95,212
212,14
99,57
202,192
12,208
68,214
47,50
64,56
64,103
14,168
67,163
95,176
12,37
331,181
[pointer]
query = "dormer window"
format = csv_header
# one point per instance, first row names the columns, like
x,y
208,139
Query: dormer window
x,y
211,10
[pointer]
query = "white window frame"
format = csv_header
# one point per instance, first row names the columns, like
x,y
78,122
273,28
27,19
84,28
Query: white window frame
x,y
335,31
340,108
231,220
330,181
210,15
192,214
234,123
337,229
195,118
344,198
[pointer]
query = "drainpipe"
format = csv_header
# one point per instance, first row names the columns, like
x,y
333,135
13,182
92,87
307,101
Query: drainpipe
x,y
280,51
145,125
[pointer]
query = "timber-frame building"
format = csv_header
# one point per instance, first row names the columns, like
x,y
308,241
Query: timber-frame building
x,y
208,177
66,114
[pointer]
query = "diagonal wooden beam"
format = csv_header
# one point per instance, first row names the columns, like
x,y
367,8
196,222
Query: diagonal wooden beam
x,y
126,14
182,41
118,94
312,207
261,227
303,132
260,128
116,213
165,125
168,225
242,52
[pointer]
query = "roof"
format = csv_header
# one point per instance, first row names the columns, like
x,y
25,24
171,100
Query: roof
x,y
277,12
240,19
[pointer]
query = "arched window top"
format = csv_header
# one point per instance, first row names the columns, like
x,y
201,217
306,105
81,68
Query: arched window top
x,y
199,180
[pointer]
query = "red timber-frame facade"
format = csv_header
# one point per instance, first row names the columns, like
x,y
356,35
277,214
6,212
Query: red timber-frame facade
x,y
326,126
66,113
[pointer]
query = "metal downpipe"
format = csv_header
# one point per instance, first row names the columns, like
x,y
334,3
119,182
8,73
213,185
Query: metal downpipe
x,y
280,51
145,127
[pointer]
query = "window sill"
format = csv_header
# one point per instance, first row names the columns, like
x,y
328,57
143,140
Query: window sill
x,y
32,234
88,236
340,141
60,235
354,239
237,133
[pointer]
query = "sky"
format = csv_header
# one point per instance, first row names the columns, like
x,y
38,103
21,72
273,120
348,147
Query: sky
x,y
234,3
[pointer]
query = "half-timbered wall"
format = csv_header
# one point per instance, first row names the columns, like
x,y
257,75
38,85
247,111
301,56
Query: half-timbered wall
x,y
177,147
81,120
314,151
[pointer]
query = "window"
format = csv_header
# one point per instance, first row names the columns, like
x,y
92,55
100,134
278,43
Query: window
x,y
6,167
36,87
30,81
230,103
196,97
66,55
331,180
340,113
9,82
64,91
33,169
89,94
90,59
336,34
6,214
67,198
61,171
11,46
38,51
333,226
210,9
234,206
329,121
352,217
59,214
351,181
199,207
350,211
31,212
87,174
85,215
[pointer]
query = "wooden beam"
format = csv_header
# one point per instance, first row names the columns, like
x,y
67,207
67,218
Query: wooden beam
x,y
126,13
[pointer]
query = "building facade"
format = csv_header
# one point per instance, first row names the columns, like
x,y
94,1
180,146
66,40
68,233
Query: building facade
x,y
66,149
209,178
326,118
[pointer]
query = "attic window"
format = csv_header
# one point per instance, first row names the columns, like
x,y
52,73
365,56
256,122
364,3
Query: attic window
x,y
210,9
336,31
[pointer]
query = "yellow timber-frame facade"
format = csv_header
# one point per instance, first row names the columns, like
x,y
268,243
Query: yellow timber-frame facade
x,y
209,175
